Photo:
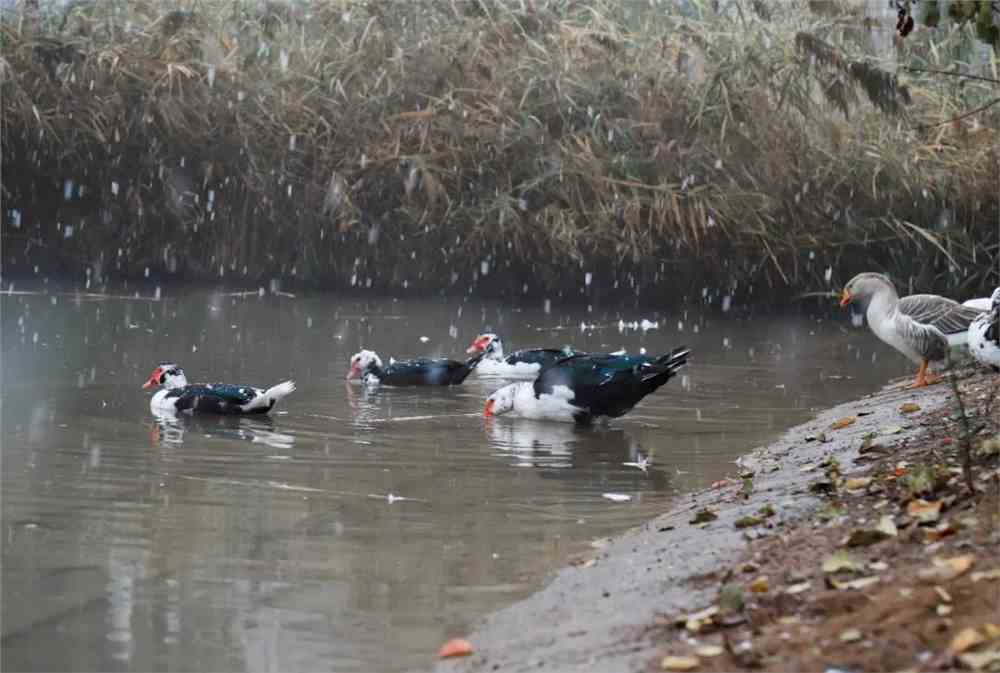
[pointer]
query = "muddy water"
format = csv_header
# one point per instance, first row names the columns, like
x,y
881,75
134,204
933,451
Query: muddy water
x,y
274,544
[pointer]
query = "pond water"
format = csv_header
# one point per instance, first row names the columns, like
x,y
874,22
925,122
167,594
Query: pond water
x,y
272,544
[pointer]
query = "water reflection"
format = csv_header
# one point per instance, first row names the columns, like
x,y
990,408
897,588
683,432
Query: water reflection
x,y
356,528
169,429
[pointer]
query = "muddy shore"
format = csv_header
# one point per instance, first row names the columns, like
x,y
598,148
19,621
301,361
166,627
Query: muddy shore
x,y
599,613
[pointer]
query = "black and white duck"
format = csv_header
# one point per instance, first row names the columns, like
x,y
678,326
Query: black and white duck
x,y
521,364
581,388
923,327
367,366
984,334
176,394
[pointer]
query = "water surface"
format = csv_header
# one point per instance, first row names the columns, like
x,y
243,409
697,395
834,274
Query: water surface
x,y
353,529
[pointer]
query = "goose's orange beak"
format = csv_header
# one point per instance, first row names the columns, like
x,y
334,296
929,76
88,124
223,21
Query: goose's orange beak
x,y
845,297
488,411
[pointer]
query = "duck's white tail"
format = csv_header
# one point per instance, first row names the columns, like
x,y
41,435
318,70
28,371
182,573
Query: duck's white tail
x,y
280,391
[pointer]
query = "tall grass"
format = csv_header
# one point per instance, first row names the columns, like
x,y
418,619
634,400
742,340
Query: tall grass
x,y
504,145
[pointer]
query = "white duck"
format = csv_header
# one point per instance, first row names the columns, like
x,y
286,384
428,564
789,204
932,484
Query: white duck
x,y
984,334
216,398
923,327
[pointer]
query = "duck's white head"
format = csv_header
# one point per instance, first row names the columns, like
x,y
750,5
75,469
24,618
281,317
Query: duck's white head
x,y
489,344
995,300
168,375
863,287
362,362
501,401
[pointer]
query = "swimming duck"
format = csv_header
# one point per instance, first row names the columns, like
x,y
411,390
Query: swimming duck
x,y
984,334
524,363
923,327
581,388
367,366
216,398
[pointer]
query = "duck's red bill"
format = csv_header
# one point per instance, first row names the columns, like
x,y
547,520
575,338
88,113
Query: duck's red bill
x,y
488,411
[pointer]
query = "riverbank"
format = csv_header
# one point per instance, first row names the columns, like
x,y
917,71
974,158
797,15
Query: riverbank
x,y
854,545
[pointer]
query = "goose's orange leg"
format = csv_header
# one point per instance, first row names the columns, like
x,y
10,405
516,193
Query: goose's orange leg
x,y
924,378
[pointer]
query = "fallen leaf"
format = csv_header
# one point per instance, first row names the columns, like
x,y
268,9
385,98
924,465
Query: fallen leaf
x,y
942,530
979,660
842,423
853,585
862,537
924,511
850,636
909,408
943,594
966,639
704,516
748,521
672,663
766,511
878,566
892,430
617,497
887,525
822,486
840,560
857,483
798,588
456,647
943,610
694,621
709,651
986,575
759,585
945,570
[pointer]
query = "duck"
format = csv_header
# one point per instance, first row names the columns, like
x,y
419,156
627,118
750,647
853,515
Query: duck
x,y
367,366
177,395
582,388
923,327
984,334
524,363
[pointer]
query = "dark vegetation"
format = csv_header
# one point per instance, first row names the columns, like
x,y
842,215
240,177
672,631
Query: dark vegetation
x,y
501,146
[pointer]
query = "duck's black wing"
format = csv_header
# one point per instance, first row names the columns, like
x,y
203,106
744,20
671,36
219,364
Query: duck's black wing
x,y
609,385
427,372
216,398
540,356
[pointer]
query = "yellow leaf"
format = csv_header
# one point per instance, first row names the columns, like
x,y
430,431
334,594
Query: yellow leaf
x,y
979,660
945,570
909,408
857,483
844,422
965,639
986,575
672,663
709,651
759,585
923,511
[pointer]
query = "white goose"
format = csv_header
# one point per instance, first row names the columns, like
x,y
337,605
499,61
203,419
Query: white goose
x,y
984,334
923,327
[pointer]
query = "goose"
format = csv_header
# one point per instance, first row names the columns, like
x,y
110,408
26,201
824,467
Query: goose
x,y
923,327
